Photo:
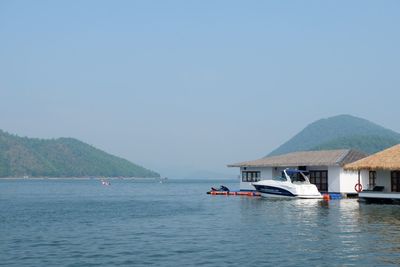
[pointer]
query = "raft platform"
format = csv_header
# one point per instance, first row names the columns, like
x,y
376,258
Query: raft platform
x,y
234,193
325,196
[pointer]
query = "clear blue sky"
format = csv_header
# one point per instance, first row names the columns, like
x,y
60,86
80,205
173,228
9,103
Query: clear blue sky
x,y
186,86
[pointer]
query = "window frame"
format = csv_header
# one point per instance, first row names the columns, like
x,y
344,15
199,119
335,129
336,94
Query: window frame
x,y
371,179
251,176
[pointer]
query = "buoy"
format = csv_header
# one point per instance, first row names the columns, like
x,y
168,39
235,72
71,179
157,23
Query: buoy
x,y
358,187
326,197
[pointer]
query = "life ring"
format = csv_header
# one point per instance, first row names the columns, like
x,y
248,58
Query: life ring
x,y
358,187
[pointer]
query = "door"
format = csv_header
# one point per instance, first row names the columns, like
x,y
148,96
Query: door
x,y
320,179
395,181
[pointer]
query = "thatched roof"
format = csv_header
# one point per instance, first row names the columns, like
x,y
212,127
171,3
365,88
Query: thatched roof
x,y
388,159
306,158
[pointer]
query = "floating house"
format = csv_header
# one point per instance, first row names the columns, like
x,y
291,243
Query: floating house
x,y
379,175
325,169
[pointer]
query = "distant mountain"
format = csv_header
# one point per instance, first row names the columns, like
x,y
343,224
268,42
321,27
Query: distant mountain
x,y
343,131
62,157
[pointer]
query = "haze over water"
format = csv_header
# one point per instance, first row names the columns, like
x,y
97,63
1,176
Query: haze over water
x,y
131,223
185,87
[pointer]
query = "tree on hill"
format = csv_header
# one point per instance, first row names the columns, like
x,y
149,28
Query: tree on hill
x,y
343,131
62,157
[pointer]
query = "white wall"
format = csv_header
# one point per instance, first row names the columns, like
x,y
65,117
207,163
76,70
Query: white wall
x,y
364,174
334,179
348,180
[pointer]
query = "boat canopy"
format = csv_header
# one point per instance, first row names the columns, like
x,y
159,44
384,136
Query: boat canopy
x,y
293,171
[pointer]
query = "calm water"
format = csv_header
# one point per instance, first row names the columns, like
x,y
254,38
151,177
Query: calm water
x,y
81,223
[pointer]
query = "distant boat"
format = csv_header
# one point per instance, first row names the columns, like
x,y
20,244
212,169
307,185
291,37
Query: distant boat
x,y
162,179
104,182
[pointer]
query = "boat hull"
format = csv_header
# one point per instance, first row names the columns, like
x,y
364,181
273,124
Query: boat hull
x,y
266,195
283,191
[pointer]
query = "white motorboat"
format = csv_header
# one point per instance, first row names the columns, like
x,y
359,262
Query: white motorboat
x,y
292,184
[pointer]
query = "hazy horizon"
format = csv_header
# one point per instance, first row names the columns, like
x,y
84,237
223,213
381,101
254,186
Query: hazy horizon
x,y
187,87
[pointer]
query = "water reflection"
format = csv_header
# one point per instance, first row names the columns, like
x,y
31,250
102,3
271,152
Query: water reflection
x,y
381,223
350,231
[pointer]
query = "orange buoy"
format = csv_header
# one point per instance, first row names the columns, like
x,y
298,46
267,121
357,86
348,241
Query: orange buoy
x,y
326,197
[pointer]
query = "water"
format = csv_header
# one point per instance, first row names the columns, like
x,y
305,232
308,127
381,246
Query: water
x,y
130,223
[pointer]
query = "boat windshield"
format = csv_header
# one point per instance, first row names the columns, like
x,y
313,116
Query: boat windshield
x,y
295,176
298,177
281,178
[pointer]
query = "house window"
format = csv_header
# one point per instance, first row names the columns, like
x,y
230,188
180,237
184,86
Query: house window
x,y
320,179
302,168
372,179
395,181
251,176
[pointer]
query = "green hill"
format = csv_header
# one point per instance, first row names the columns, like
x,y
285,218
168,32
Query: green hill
x,y
62,157
343,131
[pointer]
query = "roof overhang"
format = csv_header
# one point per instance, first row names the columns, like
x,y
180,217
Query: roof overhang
x,y
388,159
239,165
317,158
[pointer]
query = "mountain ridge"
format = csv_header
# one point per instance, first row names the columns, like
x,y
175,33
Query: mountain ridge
x,y
340,132
61,157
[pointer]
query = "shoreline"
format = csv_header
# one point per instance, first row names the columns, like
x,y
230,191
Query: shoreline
x,y
79,178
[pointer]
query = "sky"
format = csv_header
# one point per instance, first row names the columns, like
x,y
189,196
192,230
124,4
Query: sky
x,y
186,87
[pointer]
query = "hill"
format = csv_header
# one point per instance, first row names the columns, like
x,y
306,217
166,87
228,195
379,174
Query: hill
x,y
62,157
343,131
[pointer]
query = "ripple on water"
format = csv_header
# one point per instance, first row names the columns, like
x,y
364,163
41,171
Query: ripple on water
x,y
79,223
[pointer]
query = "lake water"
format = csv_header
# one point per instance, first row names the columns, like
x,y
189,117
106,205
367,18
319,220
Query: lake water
x,y
131,223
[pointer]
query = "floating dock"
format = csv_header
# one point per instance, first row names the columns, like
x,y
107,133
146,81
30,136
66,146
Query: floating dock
x,y
326,196
330,196
235,193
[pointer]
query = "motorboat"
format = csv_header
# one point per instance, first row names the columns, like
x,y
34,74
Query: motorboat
x,y
105,182
291,184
